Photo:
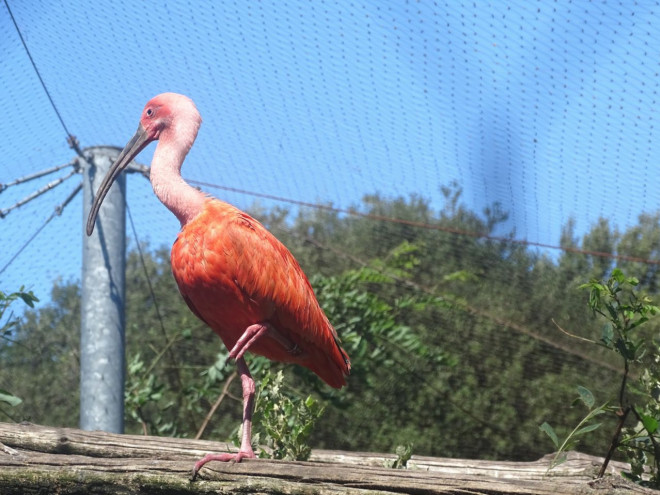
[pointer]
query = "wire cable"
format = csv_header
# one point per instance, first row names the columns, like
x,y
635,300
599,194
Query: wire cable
x,y
37,193
34,65
57,212
168,341
36,175
423,225
146,273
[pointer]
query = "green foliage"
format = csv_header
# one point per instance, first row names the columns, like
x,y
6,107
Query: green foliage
x,y
8,321
641,440
368,324
8,325
403,455
451,336
9,398
141,390
586,425
625,309
385,354
285,420
157,406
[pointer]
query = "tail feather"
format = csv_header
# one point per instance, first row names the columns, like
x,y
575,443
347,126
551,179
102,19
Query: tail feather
x,y
332,368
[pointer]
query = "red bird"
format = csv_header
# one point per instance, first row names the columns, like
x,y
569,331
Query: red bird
x,y
233,274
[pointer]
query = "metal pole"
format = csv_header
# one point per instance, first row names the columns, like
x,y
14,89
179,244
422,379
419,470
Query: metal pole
x,y
102,361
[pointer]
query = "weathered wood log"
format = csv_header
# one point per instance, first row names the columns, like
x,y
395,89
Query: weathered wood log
x,y
38,459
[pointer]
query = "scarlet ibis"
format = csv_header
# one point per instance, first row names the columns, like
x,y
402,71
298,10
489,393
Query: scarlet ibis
x,y
232,273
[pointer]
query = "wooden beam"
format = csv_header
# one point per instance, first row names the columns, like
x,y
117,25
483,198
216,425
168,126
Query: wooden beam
x,y
40,459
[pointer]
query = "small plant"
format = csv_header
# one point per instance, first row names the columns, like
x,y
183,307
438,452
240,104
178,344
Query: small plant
x,y
403,455
8,325
147,399
624,310
586,425
286,421
141,390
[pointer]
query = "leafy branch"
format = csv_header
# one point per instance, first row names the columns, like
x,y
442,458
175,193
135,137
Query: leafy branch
x,y
8,326
584,426
286,420
625,310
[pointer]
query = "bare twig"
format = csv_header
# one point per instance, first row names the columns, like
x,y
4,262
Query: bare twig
x,y
623,414
215,406
565,332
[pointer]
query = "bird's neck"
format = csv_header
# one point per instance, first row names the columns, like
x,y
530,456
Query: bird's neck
x,y
181,198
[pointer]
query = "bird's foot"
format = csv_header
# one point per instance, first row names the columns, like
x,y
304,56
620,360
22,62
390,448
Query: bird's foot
x,y
236,457
257,331
249,337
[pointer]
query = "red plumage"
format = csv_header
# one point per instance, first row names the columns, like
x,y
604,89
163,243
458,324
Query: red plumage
x,y
233,273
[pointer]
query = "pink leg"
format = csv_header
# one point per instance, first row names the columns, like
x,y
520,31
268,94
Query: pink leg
x,y
246,440
251,334
256,331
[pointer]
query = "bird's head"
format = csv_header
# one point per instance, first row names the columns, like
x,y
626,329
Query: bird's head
x,y
169,114
169,117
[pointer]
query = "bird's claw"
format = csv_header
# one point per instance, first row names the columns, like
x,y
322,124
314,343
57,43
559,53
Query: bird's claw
x,y
227,457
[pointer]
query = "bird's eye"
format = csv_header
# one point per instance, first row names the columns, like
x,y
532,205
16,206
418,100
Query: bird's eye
x,y
149,112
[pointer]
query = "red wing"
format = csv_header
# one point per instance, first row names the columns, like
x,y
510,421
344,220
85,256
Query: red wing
x,y
269,274
233,273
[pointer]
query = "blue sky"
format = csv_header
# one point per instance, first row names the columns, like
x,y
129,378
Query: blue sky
x,y
549,108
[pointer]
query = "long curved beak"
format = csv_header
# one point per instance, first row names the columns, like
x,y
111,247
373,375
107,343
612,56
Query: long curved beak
x,y
137,143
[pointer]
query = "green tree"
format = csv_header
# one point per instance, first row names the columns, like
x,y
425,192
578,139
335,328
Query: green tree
x,y
459,342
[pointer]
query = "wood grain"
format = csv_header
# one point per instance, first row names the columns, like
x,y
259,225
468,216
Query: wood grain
x,y
39,459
